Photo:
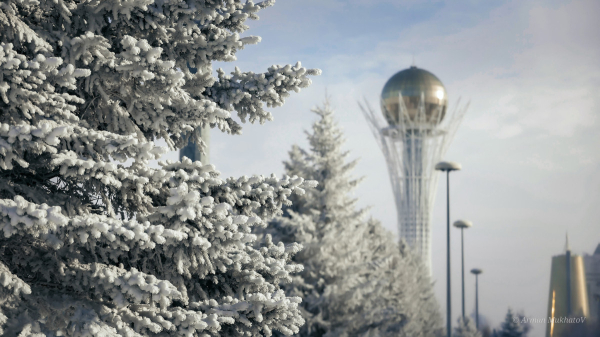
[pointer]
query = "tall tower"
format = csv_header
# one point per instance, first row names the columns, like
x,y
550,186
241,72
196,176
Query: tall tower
x,y
568,297
414,135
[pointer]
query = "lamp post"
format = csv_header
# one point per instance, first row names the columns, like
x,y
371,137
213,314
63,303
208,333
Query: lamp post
x,y
476,272
448,166
462,224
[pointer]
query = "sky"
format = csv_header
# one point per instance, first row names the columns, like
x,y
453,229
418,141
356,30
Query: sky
x,y
529,144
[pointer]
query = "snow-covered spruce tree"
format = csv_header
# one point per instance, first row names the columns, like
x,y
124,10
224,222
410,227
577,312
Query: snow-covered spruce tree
x,y
465,328
356,281
94,242
512,326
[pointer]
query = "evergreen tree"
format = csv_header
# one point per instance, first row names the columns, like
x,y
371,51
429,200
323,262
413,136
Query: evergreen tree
x,y
356,280
525,325
466,328
93,241
512,326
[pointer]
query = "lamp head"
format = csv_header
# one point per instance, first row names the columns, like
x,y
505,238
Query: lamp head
x,y
476,271
463,224
448,166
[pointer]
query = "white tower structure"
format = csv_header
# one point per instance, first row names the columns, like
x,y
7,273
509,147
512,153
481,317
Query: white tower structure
x,y
414,136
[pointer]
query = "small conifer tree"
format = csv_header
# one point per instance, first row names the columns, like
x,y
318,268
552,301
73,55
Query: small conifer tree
x,y
356,280
512,326
466,328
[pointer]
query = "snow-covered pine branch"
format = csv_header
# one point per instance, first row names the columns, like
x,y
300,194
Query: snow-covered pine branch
x,y
93,241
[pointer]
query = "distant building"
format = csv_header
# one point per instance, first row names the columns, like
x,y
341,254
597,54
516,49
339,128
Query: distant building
x,y
592,275
568,292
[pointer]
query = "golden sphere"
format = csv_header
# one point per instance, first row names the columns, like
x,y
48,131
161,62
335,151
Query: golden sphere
x,y
414,84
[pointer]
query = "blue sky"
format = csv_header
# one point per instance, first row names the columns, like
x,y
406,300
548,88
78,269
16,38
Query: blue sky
x,y
529,143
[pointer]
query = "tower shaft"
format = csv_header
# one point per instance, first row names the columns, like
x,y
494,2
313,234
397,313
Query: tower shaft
x,y
413,198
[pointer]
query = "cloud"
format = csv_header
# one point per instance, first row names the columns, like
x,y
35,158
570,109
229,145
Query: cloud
x,y
548,85
541,163
527,67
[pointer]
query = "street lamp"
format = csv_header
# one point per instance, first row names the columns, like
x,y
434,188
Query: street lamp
x,y
462,224
448,166
476,272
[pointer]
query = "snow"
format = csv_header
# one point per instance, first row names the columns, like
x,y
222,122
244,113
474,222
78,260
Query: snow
x,y
99,242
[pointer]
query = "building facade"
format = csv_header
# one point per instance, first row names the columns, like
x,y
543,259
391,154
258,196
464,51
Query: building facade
x,y
568,297
592,275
